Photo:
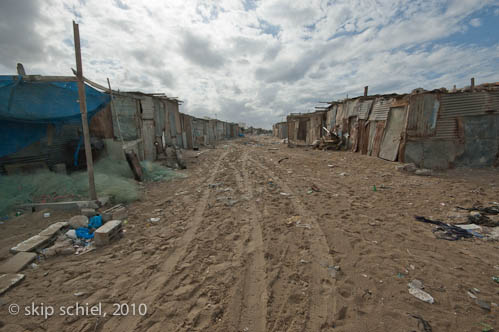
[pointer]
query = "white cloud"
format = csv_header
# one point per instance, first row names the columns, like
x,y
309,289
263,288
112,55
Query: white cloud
x,y
253,65
475,22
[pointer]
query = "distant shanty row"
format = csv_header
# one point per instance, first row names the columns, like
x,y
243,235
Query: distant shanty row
x,y
432,129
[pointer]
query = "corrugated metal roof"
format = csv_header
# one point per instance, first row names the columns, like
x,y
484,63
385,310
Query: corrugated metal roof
x,y
364,109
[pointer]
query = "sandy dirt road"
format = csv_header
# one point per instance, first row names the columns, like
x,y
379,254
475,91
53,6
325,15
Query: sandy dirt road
x,y
244,245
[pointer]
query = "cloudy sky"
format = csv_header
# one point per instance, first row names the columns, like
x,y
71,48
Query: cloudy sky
x,y
256,61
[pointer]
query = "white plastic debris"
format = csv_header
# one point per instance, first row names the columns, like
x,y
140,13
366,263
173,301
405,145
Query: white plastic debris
x,y
415,289
46,215
154,219
421,295
71,234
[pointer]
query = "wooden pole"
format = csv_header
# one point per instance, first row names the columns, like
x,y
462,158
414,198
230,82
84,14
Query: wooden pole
x,y
83,111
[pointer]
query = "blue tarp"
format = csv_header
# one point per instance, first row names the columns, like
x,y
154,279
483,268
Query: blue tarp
x,y
26,108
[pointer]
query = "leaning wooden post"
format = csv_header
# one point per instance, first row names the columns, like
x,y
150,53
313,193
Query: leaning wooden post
x,y
83,111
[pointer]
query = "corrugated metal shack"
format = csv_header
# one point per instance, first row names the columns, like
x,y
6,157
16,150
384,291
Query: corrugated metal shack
x,y
433,129
305,128
144,123
280,130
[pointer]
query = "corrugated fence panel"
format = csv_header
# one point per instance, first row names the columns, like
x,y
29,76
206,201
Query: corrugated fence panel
x,y
364,109
463,104
422,117
380,109
457,105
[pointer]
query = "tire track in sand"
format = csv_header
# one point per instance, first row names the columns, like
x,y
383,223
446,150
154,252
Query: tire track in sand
x,y
253,296
152,287
322,301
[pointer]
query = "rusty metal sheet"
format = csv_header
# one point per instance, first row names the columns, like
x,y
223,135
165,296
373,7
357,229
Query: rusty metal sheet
x,y
378,136
372,132
363,136
422,115
365,108
393,133
380,109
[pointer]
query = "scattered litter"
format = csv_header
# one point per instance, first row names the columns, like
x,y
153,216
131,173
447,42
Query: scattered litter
x,y
479,215
412,267
364,275
483,304
84,233
333,270
181,193
423,172
214,185
487,327
470,227
46,215
154,219
282,159
34,265
445,231
374,188
231,202
79,293
400,275
496,279
343,174
314,188
470,294
416,290
285,194
423,324
410,168
330,165
299,224
304,261
292,220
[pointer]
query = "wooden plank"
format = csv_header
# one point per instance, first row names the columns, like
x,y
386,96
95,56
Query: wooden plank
x,y
83,111
133,162
391,139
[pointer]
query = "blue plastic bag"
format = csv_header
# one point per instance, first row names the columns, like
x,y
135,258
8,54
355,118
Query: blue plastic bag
x,y
84,233
95,222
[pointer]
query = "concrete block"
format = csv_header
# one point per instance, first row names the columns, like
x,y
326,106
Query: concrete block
x,y
117,212
33,243
17,262
54,228
107,232
9,280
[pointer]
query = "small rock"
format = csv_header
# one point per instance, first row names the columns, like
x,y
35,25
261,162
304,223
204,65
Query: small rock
x,y
424,172
78,221
484,305
406,168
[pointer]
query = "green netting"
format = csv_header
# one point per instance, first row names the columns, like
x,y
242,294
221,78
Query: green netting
x,y
112,178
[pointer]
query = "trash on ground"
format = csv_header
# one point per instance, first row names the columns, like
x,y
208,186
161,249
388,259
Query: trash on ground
x,y
285,194
46,215
445,231
416,290
496,279
154,219
423,325
282,159
299,224
483,304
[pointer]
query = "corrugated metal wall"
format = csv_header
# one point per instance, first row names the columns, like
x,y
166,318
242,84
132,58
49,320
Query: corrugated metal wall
x,y
380,109
364,109
422,116
126,108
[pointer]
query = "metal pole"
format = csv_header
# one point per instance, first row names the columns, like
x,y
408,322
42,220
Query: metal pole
x,y
83,111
